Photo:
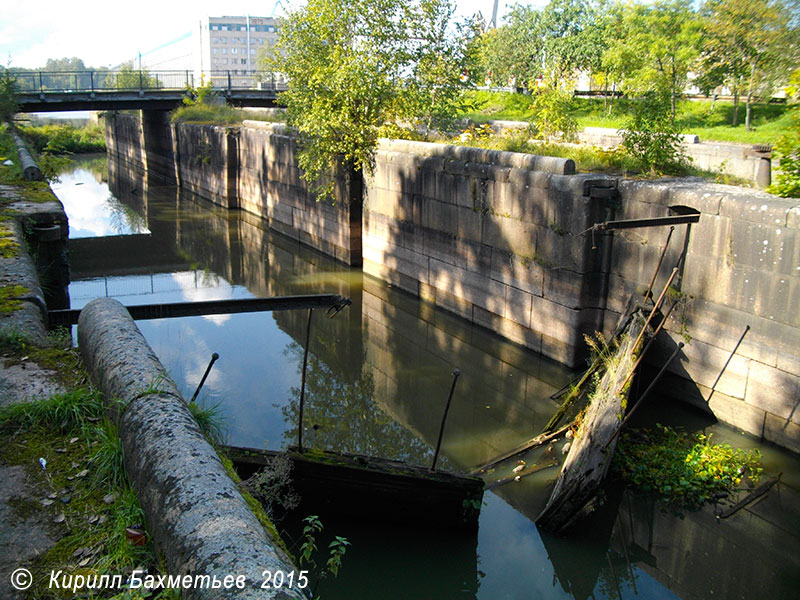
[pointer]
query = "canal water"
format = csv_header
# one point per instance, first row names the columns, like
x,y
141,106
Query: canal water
x,y
378,377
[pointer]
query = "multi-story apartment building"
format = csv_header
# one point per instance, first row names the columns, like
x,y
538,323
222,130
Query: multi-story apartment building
x,y
219,49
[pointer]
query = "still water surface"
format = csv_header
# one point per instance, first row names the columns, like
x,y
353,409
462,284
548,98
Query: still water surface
x,y
378,377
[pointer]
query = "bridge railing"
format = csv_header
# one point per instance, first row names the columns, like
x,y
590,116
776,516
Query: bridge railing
x,y
133,80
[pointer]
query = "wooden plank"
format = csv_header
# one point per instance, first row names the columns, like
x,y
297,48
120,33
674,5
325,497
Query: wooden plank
x,y
375,488
593,444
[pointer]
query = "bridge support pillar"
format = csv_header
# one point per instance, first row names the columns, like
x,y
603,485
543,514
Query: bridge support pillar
x,y
158,147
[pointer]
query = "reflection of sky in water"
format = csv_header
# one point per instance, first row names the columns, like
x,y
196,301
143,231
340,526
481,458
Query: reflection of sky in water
x,y
254,375
92,209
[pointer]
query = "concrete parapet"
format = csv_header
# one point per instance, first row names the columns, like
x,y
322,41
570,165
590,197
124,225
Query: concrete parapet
x,y
199,520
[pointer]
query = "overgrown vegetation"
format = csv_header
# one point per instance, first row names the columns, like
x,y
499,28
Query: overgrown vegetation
x,y
684,470
650,136
787,150
73,456
65,139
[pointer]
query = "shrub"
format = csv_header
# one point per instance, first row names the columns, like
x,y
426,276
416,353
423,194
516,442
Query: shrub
x,y
651,138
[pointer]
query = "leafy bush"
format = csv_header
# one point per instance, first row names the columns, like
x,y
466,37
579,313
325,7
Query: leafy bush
x,y
788,150
553,109
686,470
651,138
65,139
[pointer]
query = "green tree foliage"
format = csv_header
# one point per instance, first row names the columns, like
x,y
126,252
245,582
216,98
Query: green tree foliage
x,y
554,108
748,45
128,78
8,95
354,65
654,47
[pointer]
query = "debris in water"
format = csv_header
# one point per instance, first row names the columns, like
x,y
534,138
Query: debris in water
x,y
43,462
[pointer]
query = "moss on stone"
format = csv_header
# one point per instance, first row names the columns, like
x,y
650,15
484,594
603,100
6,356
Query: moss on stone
x,y
10,298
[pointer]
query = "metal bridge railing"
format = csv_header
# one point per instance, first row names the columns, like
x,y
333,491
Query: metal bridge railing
x,y
129,79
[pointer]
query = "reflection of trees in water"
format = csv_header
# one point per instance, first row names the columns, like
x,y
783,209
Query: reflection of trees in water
x,y
97,165
123,218
340,415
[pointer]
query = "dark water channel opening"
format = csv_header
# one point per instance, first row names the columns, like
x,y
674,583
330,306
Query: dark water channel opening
x,y
378,378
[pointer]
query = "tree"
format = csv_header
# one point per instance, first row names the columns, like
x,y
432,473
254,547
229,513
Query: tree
x,y
747,45
655,47
349,65
8,95
128,78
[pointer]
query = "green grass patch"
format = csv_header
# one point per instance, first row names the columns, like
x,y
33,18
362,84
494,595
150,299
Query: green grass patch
x,y
769,120
68,434
684,470
208,114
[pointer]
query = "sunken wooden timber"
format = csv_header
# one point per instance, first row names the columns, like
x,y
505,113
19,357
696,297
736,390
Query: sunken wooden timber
x,y
592,448
375,488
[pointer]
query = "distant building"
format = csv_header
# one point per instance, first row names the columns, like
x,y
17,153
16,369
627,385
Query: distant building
x,y
220,49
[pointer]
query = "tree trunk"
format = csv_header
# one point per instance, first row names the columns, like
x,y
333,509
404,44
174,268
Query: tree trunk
x,y
735,107
748,111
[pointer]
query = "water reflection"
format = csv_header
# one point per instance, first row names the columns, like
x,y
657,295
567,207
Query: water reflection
x,y
378,377
93,210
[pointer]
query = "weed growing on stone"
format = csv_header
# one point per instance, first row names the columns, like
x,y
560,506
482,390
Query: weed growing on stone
x,y
684,470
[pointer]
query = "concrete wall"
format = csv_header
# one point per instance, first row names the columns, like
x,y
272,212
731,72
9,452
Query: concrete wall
x,y
738,160
252,167
502,246
492,236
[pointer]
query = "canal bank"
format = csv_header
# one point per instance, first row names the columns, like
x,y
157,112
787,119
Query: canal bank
x,y
186,489
506,242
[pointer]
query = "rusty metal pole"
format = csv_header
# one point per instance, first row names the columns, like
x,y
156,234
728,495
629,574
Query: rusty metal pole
x,y
456,374
214,358
303,383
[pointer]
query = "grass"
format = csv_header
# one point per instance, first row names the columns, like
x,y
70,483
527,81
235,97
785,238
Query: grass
x,y
770,121
82,464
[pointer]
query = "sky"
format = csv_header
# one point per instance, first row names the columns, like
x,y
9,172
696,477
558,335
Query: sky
x,y
103,36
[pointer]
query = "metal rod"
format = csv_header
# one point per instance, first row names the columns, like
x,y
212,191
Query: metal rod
x,y
656,306
646,392
727,362
652,222
303,383
456,374
214,358
658,268
650,342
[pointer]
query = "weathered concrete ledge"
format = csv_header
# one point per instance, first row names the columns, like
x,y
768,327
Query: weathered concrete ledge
x,y
200,523
30,318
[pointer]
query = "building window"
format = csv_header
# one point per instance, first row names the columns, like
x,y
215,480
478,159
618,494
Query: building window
x,y
224,50
234,50
244,61
252,50
224,40
214,40
213,50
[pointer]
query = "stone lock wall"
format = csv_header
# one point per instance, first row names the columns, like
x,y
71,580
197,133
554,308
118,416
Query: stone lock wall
x,y
504,240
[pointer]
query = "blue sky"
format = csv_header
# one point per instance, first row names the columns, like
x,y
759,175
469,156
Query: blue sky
x,y
103,36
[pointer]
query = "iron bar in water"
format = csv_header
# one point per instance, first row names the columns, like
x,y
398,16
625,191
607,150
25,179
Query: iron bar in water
x,y
212,307
303,383
214,358
456,374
